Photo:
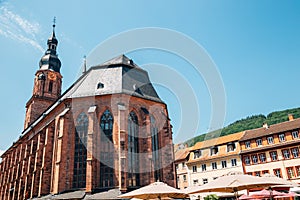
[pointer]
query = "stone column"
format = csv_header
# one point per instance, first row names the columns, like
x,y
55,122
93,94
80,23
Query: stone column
x,y
120,166
90,150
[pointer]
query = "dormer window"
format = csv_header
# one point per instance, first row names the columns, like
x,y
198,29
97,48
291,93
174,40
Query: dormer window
x,y
214,150
281,137
259,142
270,140
197,154
100,85
247,144
230,147
295,134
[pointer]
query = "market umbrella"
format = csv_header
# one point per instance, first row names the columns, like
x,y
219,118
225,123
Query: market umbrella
x,y
245,197
231,182
286,195
266,193
234,182
281,182
154,190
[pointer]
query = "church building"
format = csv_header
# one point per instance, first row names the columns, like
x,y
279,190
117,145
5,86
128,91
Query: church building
x,y
109,130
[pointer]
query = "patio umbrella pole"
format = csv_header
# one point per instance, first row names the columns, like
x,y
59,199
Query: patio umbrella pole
x,y
236,194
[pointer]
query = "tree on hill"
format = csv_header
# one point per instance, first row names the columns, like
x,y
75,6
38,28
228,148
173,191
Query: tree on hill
x,y
250,122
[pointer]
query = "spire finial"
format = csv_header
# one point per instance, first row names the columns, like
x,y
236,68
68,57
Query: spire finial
x,y
84,64
54,21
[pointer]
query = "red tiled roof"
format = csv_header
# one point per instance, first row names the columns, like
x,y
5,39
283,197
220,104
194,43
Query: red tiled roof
x,y
275,128
182,154
218,141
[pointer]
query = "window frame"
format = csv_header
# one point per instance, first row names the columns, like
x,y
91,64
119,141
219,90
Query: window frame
x,y
295,148
281,137
277,170
247,160
233,162
271,156
258,144
254,161
194,168
203,167
270,141
214,165
248,144
286,154
297,134
224,163
264,157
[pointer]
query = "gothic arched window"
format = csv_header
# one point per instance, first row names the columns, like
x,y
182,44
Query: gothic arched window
x,y
155,148
133,150
106,150
79,175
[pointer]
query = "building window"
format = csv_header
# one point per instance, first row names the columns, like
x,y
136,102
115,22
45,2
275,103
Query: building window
x,y
194,168
286,153
195,182
247,144
247,160
254,159
295,134
281,137
182,165
203,167
80,156
277,173
270,140
265,172
297,170
100,85
184,178
257,173
258,142
133,150
295,152
205,180
290,172
230,147
197,154
214,165
107,150
262,157
233,162
214,150
224,164
273,155
155,148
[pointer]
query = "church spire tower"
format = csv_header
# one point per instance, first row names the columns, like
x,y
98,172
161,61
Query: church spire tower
x,y
47,82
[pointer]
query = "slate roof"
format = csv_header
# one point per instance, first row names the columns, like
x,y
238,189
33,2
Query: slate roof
x,y
272,129
118,75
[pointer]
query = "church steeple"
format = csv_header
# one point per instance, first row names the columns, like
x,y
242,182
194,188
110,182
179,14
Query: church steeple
x,y
50,60
47,82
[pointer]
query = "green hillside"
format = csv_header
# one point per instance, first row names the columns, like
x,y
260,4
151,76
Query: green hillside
x,y
247,123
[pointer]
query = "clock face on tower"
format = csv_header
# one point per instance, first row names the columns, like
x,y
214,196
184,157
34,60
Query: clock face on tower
x,y
51,76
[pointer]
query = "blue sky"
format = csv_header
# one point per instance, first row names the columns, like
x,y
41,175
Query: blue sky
x,y
254,44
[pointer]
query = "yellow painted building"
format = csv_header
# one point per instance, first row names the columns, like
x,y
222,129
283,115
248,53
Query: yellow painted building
x,y
213,158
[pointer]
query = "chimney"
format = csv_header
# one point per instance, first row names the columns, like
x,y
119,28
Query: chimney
x,y
291,117
265,125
